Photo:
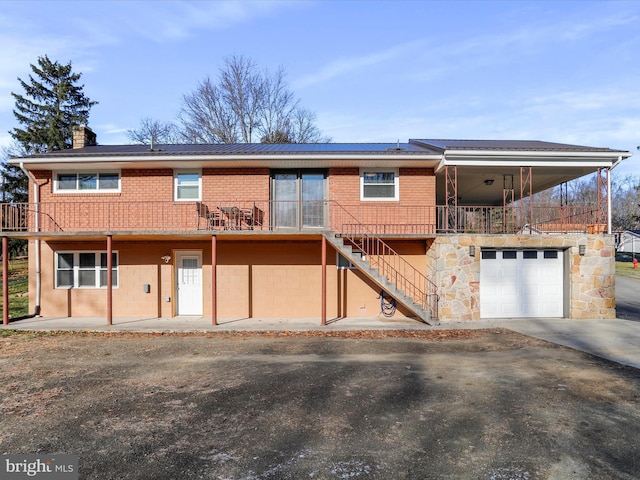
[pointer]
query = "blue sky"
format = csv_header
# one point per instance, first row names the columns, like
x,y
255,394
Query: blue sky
x,y
371,70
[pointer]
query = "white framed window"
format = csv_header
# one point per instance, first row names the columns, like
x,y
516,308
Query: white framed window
x,y
187,185
84,269
86,182
379,184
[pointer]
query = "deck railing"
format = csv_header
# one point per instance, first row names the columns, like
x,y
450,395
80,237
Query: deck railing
x,y
516,220
223,215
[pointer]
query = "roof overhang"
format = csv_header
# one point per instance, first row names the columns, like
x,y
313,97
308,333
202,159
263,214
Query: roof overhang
x,y
483,175
227,161
474,158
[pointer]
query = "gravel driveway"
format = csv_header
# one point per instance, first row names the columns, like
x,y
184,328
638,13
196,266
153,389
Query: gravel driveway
x,y
488,404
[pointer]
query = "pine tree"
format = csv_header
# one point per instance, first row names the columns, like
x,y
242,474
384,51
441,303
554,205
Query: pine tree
x,y
15,186
52,104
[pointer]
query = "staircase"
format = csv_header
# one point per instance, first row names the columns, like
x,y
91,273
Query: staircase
x,y
390,271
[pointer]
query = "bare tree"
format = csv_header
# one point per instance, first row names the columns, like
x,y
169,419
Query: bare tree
x,y
625,198
245,106
205,118
154,132
278,108
303,128
243,91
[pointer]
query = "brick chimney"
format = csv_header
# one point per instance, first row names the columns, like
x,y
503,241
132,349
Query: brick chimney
x,y
83,136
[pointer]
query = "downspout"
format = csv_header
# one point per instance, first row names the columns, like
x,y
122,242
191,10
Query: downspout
x,y
36,198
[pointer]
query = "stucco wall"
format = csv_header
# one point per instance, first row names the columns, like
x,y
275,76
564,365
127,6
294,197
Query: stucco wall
x,y
260,279
591,278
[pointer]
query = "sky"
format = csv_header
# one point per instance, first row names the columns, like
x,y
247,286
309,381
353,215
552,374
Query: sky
x,y
372,71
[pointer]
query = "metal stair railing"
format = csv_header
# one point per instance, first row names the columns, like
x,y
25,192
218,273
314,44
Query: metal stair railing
x,y
385,259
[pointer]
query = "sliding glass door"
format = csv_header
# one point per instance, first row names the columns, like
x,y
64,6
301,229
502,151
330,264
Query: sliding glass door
x,y
298,198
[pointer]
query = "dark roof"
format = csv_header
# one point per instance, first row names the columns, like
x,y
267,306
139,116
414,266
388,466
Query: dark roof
x,y
414,147
507,145
249,149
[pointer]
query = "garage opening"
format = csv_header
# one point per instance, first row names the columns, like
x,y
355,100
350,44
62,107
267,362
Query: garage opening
x,y
527,283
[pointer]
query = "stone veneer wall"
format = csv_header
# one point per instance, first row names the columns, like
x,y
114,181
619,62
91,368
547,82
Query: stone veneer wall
x,y
591,289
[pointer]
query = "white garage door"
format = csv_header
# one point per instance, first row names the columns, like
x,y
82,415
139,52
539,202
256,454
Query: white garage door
x,y
521,283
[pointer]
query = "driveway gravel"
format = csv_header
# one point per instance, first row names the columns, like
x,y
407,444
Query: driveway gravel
x,y
474,404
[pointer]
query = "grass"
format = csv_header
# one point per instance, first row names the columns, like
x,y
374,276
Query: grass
x,y
18,288
624,265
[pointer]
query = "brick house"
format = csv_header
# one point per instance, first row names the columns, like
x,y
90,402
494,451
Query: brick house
x,y
440,229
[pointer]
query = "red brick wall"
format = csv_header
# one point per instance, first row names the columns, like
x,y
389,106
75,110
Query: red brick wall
x,y
224,186
236,185
413,212
249,184
136,185
417,187
146,200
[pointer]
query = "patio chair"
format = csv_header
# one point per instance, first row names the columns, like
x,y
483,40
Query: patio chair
x,y
211,219
251,217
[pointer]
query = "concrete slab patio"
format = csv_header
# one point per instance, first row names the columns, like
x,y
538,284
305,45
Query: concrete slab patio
x,y
616,339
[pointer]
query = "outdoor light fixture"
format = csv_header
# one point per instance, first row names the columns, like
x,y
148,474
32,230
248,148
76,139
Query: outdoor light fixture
x,y
488,181
166,258
582,249
472,250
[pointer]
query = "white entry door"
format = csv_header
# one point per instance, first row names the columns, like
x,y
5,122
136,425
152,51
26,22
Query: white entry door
x,y
189,283
521,283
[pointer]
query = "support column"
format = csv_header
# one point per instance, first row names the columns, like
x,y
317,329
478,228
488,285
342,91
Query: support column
x,y
526,178
214,280
109,280
609,212
324,281
5,281
603,184
451,198
508,197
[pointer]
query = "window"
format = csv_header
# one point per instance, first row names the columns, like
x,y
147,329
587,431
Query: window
x,y
530,254
86,182
379,184
187,185
343,263
488,254
509,255
84,269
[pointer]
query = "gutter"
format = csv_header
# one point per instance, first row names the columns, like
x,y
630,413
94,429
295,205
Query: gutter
x,y
36,197
618,161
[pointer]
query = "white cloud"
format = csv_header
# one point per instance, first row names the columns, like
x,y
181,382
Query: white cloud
x,y
349,65
506,48
608,98
170,21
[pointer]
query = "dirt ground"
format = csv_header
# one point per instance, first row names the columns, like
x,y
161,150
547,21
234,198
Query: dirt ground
x,y
371,405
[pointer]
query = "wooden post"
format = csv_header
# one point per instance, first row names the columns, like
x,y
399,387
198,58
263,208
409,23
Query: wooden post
x,y
5,281
109,281
324,280
214,280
